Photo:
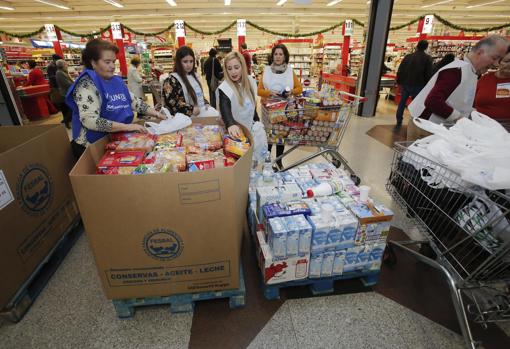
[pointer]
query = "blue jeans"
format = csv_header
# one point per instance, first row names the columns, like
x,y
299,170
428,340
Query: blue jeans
x,y
406,91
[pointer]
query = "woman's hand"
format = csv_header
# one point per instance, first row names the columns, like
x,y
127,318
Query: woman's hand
x,y
136,128
161,115
196,111
235,132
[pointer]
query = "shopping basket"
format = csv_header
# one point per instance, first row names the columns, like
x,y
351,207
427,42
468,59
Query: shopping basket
x,y
467,229
297,122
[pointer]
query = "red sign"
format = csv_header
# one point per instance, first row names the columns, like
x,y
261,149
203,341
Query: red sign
x,y
306,82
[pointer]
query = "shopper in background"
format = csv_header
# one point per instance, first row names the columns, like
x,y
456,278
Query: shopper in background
x,y
64,82
247,56
35,76
213,65
413,73
237,96
447,59
279,78
450,93
135,79
56,98
100,100
182,90
493,91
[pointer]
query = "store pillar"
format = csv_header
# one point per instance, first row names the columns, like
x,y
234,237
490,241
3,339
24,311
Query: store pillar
x,y
346,32
117,34
241,33
419,32
180,33
56,43
377,35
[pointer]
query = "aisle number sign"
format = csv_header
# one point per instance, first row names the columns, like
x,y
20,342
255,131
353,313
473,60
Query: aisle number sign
x,y
116,31
241,27
349,27
50,32
179,28
427,24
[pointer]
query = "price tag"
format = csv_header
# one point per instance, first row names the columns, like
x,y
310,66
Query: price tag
x,y
428,24
349,27
241,27
179,29
116,30
50,32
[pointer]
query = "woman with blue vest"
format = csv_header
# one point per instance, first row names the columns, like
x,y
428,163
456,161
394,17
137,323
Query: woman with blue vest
x,y
100,100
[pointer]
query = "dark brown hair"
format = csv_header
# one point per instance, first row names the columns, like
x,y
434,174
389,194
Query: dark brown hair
x,y
94,49
135,61
32,64
182,52
285,53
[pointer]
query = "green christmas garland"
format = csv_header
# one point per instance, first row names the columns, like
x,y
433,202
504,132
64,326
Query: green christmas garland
x,y
228,27
250,23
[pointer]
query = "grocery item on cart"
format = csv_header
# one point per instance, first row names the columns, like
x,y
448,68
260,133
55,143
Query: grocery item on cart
x,y
123,159
236,147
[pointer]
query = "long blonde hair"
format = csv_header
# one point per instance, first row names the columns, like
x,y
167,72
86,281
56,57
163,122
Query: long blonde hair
x,y
243,88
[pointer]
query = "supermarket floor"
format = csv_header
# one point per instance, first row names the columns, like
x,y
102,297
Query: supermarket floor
x,y
409,308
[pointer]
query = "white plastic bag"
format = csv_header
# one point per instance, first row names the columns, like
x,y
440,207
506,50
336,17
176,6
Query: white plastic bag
x,y
172,124
259,141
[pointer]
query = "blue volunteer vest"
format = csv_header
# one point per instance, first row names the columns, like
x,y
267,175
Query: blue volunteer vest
x,y
115,103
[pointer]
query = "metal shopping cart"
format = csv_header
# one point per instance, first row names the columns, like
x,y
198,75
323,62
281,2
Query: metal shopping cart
x,y
467,230
299,122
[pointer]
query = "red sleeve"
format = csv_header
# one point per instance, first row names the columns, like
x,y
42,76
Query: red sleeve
x,y
447,82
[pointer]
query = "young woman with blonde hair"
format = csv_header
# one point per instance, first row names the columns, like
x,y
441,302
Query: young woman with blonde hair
x,y
237,95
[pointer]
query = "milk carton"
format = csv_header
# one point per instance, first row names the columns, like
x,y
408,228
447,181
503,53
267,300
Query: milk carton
x,y
327,263
321,229
351,258
348,224
292,236
305,235
315,265
338,263
277,238
363,258
376,256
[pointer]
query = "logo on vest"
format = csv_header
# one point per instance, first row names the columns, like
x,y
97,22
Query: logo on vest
x,y
34,189
163,244
116,101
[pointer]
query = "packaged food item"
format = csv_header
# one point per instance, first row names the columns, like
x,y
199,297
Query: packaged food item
x,y
236,147
126,170
168,141
171,161
200,162
114,159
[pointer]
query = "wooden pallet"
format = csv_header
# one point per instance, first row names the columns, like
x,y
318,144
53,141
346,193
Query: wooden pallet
x,y
182,303
37,281
320,286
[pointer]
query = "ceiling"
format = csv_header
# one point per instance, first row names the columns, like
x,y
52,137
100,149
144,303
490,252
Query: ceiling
x,y
210,15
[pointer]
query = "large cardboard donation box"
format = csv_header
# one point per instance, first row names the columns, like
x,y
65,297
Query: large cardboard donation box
x,y
36,200
163,234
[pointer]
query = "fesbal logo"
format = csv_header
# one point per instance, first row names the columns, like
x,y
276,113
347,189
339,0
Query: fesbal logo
x,y
163,244
34,189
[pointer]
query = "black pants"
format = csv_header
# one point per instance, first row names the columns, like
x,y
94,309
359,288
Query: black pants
x,y
279,150
78,149
212,96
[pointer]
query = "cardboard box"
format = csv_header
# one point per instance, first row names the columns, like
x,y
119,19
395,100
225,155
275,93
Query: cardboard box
x,y
278,271
36,200
163,234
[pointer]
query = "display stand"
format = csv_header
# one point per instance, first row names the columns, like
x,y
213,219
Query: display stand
x,y
36,101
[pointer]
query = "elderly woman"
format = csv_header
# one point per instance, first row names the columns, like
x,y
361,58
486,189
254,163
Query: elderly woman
x,y
135,79
100,100
63,83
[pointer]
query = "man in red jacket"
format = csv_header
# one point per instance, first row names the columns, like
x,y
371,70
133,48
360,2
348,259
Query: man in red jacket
x,y
246,56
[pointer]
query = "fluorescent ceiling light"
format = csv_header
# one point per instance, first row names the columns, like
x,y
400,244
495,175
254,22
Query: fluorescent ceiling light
x,y
4,5
281,2
55,3
437,3
227,2
171,2
485,4
114,3
334,2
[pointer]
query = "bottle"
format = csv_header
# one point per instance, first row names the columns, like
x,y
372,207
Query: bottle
x,y
267,170
324,189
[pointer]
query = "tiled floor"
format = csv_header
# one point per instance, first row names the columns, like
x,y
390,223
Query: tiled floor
x,y
72,311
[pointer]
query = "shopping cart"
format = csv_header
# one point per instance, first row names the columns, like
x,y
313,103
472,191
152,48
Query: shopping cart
x,y
505,123
298,122
465,228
